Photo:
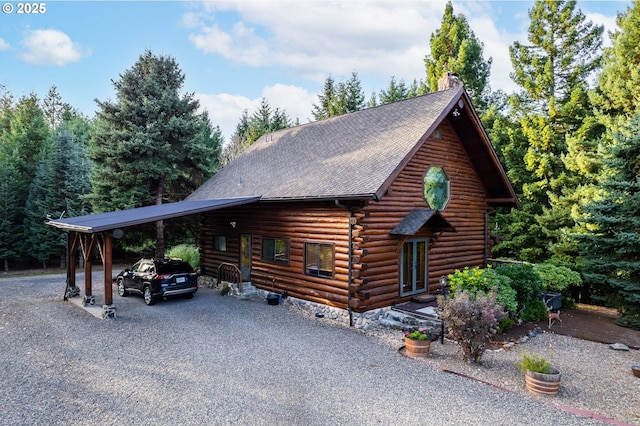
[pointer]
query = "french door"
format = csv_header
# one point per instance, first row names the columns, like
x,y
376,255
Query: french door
x,y
413,267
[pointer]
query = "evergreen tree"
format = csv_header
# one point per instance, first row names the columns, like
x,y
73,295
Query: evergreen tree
x,y
395,92
615,102
339,99
57,190
52,107
620,77
554,111
264,120
151,145
612,248
10,231
455,48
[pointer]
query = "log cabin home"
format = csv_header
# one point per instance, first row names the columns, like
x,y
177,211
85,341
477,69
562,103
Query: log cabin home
x,y
360,211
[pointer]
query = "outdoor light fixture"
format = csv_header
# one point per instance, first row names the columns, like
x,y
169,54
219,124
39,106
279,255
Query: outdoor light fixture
x,y
233,224
443,289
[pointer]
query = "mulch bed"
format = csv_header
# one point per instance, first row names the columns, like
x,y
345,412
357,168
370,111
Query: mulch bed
x,y
585,322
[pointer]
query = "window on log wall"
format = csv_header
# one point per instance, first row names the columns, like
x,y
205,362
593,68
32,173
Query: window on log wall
x,y
318,259
275,250
436,188
220,242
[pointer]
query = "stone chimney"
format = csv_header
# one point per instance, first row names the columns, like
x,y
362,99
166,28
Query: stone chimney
x,y
448,81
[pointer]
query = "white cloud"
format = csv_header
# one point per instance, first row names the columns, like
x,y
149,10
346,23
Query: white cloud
x,y
3,44
50,47
315,38
225,110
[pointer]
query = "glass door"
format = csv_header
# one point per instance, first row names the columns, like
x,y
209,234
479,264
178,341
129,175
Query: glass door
x,y
413,267
245,257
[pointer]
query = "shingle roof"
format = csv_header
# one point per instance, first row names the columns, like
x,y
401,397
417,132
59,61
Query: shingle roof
x,y
347,156
101,222
417,218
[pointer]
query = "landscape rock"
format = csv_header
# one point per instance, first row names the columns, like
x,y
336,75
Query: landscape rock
x,y
619,347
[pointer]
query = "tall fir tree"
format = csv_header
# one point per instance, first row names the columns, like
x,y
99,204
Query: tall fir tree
x,y
58,189
603,225
151,145
341,98
455,48
554,112
612,247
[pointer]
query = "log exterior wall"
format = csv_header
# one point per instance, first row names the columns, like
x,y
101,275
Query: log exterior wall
x,y
449,250
298,223
375,252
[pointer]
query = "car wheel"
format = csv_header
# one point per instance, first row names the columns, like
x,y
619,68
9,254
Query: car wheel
x,y
121,290
148,297
189,295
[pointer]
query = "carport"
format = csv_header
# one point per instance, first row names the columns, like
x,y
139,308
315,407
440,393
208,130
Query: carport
x,y
98,230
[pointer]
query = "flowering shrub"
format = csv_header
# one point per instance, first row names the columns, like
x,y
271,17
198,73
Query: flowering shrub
x,y
417,335
471,320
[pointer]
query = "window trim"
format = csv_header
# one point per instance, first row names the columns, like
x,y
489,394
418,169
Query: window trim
x,y
333,259
276,261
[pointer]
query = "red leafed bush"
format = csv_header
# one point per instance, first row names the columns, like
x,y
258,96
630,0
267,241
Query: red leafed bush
x,y
471,320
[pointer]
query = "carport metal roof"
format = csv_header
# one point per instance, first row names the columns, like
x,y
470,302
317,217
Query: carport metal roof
x,y
102,222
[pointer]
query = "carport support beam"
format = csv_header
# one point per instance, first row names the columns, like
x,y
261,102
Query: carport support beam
x,y
108,310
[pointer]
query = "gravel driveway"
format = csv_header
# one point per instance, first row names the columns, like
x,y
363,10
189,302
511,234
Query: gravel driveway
x,y
221,360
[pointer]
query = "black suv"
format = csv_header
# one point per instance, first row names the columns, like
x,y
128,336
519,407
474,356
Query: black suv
x,y
155,279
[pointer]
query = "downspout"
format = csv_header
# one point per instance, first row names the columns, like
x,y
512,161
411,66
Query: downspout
x,y
350,253
486,235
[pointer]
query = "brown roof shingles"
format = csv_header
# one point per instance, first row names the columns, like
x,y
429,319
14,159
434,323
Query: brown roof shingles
x,y
347,156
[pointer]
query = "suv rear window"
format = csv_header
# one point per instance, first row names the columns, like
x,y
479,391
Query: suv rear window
x,y
174,267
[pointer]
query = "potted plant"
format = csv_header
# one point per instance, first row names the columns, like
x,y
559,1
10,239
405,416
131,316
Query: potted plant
x,y
539,376
417,343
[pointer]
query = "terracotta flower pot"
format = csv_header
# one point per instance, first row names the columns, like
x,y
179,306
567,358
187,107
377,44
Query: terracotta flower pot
x,y
417,348
541,383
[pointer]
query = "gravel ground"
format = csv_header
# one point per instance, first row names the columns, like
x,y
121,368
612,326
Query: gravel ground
x,y
595,378
222,360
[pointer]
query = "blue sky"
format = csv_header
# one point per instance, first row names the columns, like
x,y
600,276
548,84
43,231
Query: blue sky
x,y
233,53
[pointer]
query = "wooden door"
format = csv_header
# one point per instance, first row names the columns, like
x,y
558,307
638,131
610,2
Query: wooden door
x,y
245,257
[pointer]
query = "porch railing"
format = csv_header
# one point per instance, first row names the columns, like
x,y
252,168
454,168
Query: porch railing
x,y
230,273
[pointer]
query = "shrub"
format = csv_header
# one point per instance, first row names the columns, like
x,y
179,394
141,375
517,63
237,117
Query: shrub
x,y
534,310
188,253
486,280
556,278
471,320
524,280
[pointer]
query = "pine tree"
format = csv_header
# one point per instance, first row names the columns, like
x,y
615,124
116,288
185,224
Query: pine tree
x,y
554,111
151,145
455,48
342,98
620,77
58,189
612,248
395,92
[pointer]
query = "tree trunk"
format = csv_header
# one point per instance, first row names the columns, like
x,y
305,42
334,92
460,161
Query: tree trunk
x,y
160,248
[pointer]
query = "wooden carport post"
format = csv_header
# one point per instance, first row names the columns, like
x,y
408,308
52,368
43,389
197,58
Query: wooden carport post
x,y
87,250
72,244
108,310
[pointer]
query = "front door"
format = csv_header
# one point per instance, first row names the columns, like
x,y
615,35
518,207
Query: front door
x,y
245,257
413,267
